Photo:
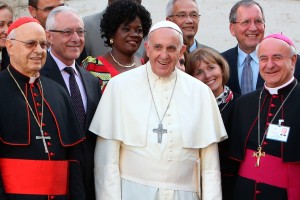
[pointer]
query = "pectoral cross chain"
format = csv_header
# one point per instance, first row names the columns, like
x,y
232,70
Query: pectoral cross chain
x,y
259,153
160,130
44,138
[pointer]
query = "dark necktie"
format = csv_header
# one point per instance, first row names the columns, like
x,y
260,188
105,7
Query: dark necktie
x,y
247,77
76,96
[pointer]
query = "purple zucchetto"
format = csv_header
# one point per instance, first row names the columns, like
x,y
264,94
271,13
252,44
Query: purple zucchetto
x,y
282,37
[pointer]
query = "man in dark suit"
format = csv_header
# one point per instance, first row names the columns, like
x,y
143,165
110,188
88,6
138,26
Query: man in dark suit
x,y
65,32
247,25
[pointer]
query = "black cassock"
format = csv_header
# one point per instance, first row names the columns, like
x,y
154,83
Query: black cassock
x,y
228,166
19,131
245,139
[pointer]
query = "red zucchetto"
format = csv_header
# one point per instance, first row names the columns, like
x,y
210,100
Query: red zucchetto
x,y
20,22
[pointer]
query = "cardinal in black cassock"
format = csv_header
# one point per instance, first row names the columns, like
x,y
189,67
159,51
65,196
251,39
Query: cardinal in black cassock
x,y
39,134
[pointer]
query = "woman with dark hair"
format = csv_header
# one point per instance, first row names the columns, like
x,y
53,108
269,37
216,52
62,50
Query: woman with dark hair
x,y
124,25
6,19
211,68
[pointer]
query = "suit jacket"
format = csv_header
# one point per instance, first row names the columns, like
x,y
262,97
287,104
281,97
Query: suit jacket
x,y
5,59
231,55
93,93
94,43
198,45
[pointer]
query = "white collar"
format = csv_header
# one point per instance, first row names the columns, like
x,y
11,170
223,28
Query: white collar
x,y
61,65
154,77
242,55
275,90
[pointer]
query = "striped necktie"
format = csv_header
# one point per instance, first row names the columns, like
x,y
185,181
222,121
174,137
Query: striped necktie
x,y
247,76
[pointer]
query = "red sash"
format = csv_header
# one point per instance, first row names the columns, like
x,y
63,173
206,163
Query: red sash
x,y
272,171
37,177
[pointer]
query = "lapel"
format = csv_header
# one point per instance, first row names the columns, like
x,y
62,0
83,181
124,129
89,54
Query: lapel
x,y
233,83
5,59
52,71
90,83
88,87
232,57
260,81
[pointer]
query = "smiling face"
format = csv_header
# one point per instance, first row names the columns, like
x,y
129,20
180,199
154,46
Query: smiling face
x,y
248,35
66,48
27,60
276,62
128,37
6,18
211,75
164,50
188,26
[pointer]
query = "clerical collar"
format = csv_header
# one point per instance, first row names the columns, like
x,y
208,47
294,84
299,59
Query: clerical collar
x,y
276,89
33,79
153,76
23,77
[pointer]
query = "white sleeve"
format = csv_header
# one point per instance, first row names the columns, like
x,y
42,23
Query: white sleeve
x,y
210,172
106,170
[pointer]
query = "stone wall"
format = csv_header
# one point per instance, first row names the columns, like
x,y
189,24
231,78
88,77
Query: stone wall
x,y
84,6
281,16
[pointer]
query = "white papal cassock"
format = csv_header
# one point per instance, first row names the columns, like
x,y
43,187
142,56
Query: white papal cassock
x,y
130,164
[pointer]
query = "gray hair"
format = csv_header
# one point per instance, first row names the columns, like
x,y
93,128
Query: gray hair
x,y
51,22
170,7
11,35
246,3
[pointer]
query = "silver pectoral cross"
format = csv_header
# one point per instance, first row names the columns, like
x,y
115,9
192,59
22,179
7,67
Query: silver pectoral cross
x,y
44,138
160,130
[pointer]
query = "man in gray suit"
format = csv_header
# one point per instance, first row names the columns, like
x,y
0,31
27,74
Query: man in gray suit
x,y
94,44
185,13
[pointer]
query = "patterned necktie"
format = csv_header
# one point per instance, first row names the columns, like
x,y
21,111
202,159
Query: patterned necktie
x,y
76,96
247,76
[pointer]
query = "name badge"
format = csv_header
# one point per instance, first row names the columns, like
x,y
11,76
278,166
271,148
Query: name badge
x,y
278,132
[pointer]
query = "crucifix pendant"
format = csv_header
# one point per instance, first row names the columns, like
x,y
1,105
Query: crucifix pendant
x,y
259,153
42,137
160,130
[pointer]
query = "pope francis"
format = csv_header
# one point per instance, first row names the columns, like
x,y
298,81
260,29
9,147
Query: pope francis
x,y
158,129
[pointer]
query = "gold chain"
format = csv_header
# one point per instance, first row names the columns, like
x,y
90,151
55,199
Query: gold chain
x,y
126,66
39,124
260,143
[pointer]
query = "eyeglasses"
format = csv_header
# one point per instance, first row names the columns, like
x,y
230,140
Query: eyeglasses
x,y
30,44
68,33
49,9
247,22
193,16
